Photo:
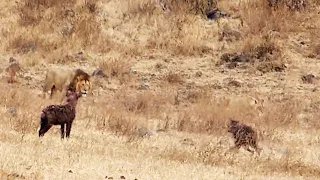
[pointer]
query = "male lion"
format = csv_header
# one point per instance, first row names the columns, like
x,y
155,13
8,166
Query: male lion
x,y
59,79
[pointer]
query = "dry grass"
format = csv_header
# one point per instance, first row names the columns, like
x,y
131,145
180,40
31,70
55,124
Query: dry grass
x,y
163,109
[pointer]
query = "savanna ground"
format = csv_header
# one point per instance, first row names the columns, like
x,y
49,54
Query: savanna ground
x,y
171,74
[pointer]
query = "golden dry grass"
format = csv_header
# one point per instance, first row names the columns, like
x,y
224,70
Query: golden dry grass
x,y
162,110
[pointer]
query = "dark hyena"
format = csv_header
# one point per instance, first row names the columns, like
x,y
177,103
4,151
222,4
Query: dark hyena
x,y
60,115
244,136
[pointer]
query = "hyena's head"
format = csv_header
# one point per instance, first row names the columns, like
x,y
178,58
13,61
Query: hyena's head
x,y
43,124
72,97
233,126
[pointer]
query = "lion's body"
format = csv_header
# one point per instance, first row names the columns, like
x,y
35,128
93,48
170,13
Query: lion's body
x,y
62,79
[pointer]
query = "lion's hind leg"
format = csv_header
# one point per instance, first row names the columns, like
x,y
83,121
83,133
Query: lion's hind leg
x,y
53,91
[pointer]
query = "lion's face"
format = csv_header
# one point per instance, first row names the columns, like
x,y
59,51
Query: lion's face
x,y
83,86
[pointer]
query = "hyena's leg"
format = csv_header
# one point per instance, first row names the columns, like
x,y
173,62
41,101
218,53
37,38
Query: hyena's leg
x,y
68,129
236,147
256,147
246,147
62,130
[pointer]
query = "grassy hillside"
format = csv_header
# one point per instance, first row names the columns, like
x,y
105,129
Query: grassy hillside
x,y
172,74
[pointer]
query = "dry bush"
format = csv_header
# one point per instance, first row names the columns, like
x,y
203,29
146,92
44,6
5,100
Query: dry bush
x,y
228,34
173,78
265,55
211,115
120,122
150,7
123,124
314,2
58,26
129,111
194,95
10,175
315,51
182,35
117,68
33,11
261,49
87,29
21,45
282,114
192,6
145,103
293,167
260,19
138,8
262,53
293,5
31,43
18,114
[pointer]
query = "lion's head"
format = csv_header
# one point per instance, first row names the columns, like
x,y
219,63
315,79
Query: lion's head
x,y
81,83
83,86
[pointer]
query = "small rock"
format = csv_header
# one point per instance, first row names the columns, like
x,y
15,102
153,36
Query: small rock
x,y
232,65
309,78
187,141
229,35
80,56
215,14
122,177
166,60
99,73
70,171
234,83
159,66
143,86
144,132
240,58
134,71
12,111
28,78
199,74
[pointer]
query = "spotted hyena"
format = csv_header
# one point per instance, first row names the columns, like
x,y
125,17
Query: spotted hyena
x,y
244,136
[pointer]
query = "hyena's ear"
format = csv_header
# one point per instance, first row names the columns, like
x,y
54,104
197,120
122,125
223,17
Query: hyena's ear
x,y
78,94
69,91
233,122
